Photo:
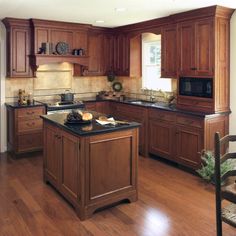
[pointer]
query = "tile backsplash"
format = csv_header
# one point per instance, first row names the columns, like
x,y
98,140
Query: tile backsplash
x,y
54,79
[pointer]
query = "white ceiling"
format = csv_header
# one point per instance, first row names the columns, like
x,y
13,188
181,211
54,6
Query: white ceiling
x,y
88,11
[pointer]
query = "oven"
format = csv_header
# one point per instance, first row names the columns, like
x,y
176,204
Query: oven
x,y
54,106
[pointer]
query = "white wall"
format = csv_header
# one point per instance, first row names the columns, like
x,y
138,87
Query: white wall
x,y
2,88
232,122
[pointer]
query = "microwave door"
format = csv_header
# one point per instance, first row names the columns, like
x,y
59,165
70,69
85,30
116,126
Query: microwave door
x,y
187,87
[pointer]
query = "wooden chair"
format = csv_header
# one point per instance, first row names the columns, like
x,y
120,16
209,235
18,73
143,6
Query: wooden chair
x,y
226,214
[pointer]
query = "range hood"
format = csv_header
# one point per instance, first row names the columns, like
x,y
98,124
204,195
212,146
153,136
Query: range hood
x,y
43,59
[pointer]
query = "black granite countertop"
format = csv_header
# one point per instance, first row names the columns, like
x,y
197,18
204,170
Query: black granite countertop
x,y
17,105
155,105
92,128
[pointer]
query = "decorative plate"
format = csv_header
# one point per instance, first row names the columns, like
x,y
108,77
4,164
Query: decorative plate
x,y
117,86
62,48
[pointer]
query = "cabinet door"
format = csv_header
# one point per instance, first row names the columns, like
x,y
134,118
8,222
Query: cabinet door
x,y
20,50
204,47
121,55
189,145
186,52
160,138
169,52
95,50
52,152
69,165
108,56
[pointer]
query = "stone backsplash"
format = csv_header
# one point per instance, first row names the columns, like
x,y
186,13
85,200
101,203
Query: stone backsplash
x,y
54,79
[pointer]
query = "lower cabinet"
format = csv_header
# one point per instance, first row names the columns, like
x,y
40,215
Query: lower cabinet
x,y
24,128
189,143
91,171
161,133
181,137
137,114
61,161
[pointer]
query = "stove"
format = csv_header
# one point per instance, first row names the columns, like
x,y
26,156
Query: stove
x,y
53,106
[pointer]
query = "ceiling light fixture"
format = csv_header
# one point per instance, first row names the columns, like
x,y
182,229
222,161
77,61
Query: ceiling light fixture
x,y
100,21
120,9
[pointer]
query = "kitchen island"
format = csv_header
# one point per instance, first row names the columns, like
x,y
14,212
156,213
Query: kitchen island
x,y
91,165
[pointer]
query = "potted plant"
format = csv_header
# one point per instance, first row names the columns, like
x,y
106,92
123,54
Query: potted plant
x,y
208,167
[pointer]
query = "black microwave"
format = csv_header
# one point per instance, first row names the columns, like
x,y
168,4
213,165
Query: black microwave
x,y
197,87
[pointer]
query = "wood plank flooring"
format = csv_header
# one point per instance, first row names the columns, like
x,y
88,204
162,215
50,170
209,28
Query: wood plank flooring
x,y
171,203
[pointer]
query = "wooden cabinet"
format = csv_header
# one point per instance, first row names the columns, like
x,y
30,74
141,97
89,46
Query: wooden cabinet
x,y
95,50
52,156
189,140
91,171
121,54
61,163
137,114
24,129
18,48
169,52
98,106
161,133
195,43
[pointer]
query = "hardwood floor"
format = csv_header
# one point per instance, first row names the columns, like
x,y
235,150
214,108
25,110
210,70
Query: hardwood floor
x,y
171,203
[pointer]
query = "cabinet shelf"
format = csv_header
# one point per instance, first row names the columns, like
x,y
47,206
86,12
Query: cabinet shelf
x,y
40,59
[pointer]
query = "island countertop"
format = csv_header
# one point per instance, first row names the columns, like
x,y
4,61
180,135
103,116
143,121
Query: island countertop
x,y
91,128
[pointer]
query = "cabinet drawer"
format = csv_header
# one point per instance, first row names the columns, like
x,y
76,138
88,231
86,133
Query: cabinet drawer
x,y
161,115
30,112
29,125
30,141
190,121
196,104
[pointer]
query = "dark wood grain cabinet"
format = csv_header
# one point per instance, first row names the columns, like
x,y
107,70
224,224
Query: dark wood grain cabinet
x,y
121,54
18,48
91,171
96,64
169,51
24,129
189,140
137,114
161,132
195,43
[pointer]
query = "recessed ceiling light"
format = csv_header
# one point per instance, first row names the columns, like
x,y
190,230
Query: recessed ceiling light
x,y
100,21
120,9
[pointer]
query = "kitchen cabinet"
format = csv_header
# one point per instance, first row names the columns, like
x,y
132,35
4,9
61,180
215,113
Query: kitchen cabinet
x,y
195,42
61,163
98,106
189,140
95,50
137,114
24,129
18,48
169,51
161,133
91,170
121,54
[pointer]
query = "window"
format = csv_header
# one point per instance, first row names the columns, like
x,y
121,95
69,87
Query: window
x,y
151,63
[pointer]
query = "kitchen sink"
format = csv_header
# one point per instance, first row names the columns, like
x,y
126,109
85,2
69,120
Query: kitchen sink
x,y
142,102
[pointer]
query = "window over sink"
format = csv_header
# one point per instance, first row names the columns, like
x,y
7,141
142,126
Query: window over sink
x,y
151,64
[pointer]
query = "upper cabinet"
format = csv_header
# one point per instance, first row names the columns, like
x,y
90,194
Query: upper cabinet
x,y
18,47
195,44
121,54
169,51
